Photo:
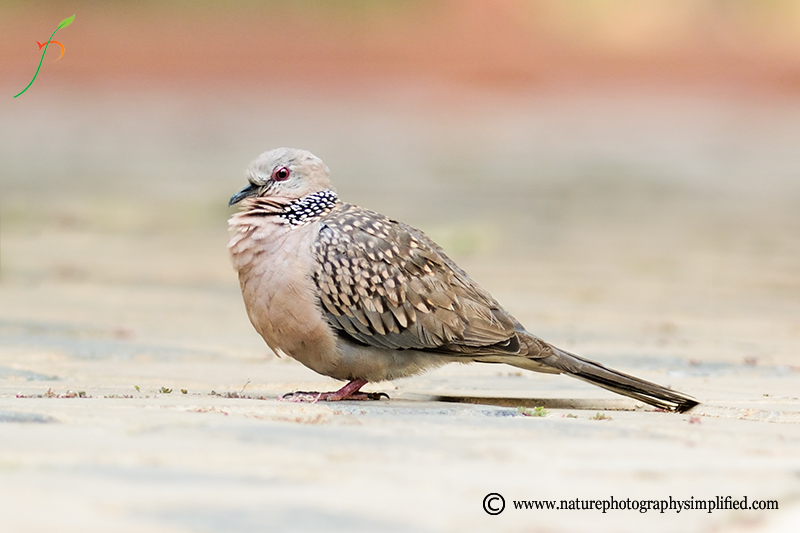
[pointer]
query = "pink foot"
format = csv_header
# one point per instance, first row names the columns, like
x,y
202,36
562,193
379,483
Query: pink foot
x,y
348,392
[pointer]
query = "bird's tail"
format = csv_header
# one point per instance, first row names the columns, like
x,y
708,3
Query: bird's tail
x,y
597,374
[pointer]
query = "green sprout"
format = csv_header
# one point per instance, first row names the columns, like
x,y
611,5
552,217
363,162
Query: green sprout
x,y
536,411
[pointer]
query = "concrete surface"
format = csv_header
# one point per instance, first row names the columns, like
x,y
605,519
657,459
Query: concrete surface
x,y
658,236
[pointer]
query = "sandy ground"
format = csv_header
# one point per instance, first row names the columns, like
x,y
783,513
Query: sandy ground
x,y
657,234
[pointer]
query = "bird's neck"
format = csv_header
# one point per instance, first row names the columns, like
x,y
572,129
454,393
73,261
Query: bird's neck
x,y
294,212
309,207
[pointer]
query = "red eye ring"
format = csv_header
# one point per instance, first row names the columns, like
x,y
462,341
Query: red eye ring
x,y
281,174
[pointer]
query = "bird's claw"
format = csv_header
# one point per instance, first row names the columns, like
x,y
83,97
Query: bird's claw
x,y
314,397
376,395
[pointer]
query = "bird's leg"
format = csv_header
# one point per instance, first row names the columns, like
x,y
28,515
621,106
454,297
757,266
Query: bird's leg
x,y
351,391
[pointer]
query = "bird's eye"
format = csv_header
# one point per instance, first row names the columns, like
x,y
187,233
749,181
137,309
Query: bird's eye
x,y
281,174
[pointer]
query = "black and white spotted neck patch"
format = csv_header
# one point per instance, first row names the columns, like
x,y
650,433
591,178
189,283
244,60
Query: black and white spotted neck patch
x,y
309,207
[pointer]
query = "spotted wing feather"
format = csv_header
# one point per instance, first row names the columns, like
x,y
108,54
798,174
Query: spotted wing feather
x,y
386,284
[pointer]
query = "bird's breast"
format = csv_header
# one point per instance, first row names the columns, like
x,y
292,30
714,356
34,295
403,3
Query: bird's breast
x,y
275,265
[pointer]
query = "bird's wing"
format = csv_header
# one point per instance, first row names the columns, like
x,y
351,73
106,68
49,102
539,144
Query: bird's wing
x,y
385,284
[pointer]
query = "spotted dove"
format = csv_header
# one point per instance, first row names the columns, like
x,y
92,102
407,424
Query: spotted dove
x,y
357,296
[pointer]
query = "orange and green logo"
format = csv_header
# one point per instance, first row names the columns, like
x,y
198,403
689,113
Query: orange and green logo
x,y
63,24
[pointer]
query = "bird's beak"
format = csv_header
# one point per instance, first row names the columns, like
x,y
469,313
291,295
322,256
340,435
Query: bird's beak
x,y
250,190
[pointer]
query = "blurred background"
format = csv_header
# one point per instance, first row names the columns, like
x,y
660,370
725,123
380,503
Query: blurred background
x,y
623,176
606,168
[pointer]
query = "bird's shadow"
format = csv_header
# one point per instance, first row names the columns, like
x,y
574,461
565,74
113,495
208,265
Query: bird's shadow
x,y
594,404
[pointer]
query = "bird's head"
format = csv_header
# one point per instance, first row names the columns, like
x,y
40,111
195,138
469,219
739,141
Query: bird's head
x,y
284,173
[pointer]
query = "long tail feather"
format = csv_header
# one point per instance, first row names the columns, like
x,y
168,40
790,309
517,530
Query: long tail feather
x,y
621,383
602,376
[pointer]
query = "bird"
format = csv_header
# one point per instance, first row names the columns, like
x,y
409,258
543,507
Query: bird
x,y
359,297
